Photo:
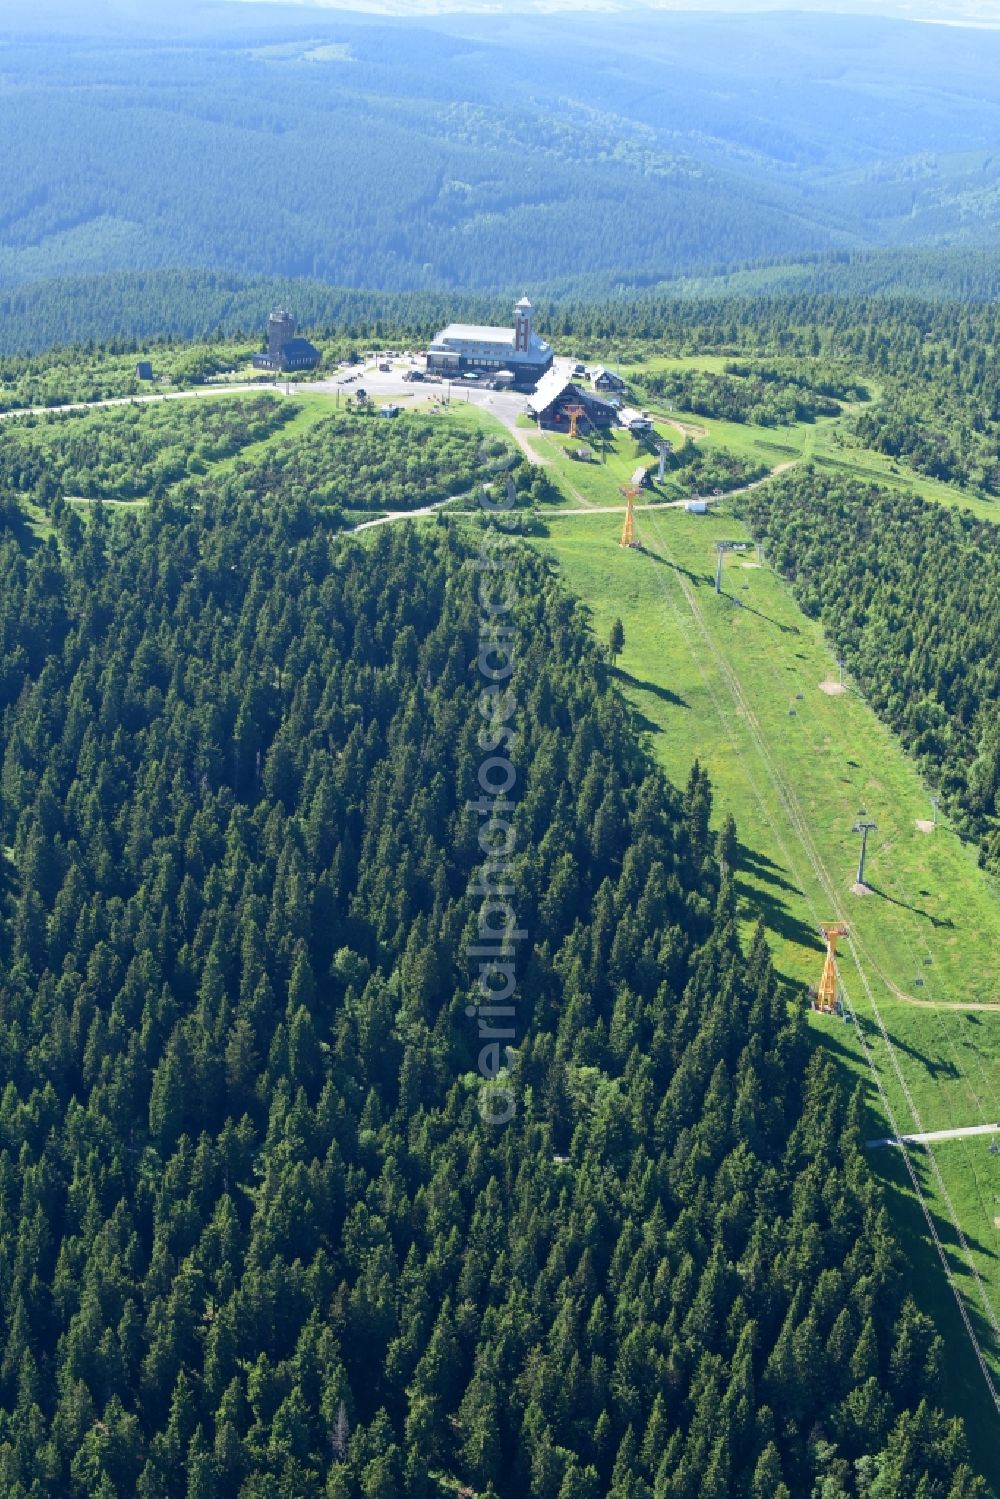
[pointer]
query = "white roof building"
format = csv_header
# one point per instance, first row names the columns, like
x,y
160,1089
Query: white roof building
x,y
549,389
484,348
555,392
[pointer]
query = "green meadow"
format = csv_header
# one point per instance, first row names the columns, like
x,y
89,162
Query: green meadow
x,y
741,681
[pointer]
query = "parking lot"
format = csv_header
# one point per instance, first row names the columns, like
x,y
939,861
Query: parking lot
x,y
380,385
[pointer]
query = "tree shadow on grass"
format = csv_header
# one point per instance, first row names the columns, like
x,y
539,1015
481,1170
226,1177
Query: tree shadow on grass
x,y
917,910
765,869
642,723
675,567
919,1154
834,1037
778,918
935,1068
742,604
641,685
964,1392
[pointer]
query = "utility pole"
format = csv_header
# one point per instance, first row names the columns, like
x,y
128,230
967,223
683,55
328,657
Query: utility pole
x,y
841,663
934,804
864,828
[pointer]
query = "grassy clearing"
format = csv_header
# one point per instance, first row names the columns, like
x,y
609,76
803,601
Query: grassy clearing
x,y
598,481
734,680
310,410
822,442
714,364
611,461
838,756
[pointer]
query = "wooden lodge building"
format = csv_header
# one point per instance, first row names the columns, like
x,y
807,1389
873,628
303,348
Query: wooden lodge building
x,y
556,394
606,382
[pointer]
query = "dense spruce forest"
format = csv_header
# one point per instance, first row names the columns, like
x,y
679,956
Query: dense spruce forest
x,y
257,1236
111,313
910,593
744,393
477,161
454,151
159,305
122,452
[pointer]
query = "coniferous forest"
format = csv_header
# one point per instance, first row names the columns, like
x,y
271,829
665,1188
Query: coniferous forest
x,y
424,811
257,1236
909,592
413,152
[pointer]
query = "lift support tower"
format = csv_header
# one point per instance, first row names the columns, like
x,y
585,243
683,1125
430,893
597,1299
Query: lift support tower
x,y
575,413
628,530
827,995
864,828
722,547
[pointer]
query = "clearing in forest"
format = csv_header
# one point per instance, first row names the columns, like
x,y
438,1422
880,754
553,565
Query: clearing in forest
x,y
740,681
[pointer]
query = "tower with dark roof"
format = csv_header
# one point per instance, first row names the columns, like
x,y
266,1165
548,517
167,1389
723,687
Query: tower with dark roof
x,y
280,331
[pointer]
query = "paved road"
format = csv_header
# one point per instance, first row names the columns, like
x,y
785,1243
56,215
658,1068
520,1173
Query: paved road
x,y
555,511
934,1135
654,505
505,406
394,515
143,400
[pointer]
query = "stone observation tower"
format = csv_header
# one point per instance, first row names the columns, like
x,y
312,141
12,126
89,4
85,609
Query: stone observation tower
x,y
280,331
285,353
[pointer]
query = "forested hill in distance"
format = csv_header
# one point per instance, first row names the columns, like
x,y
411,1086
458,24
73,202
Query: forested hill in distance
x,y
473,151
132,308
